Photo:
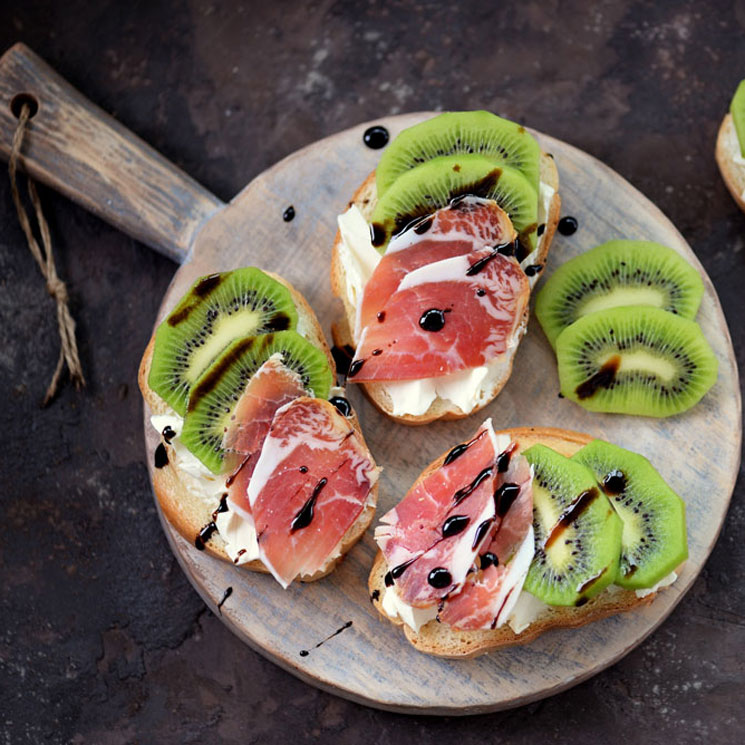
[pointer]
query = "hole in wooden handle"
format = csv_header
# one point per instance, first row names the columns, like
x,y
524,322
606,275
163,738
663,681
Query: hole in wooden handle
x,y
21,99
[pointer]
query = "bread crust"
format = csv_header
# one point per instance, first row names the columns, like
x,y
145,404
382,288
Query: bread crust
x,y
444,641
733,174
189,513
365,199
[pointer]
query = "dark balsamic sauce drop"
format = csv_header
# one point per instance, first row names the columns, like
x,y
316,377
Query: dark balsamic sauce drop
x,y
488,559
424,225
303,469
433,319
440,578
533,269
380,316
204,535
228,592
343,357
614,483
355,367
168,433
342,405
568,225
304,516
222,507
376,137
161,456
570,514
466,491
504,496
603,378
377,234
481,532
454,524
397,571
374,595
503,461
289,214
388,579
541,229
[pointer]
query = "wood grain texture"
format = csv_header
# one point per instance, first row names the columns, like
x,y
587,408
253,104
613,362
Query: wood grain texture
x,y
79,150
698,452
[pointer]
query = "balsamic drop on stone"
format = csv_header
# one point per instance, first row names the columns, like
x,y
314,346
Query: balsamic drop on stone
x,y
568,225
376,137
289,214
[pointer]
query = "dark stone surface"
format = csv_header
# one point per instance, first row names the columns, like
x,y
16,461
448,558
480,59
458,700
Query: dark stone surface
x,y
102,638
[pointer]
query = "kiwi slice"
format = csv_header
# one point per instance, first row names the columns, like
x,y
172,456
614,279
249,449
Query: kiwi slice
x,y
461,132
434,184
653,543
737,107
614,274
216,392
635,360
217,310
577,532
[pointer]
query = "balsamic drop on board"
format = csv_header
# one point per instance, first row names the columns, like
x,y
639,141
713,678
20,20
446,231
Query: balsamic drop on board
x,y
376,137
568,225
161,456
289,214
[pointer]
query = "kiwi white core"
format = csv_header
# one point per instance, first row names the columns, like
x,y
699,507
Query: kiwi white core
x,y
625,296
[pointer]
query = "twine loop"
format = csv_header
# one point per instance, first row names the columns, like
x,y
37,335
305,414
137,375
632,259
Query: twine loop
x,y
45,259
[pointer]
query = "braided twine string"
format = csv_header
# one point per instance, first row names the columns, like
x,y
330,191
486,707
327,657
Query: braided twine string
x,y
45,259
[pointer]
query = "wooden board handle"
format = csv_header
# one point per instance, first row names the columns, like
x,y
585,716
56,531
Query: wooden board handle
x,y
79,150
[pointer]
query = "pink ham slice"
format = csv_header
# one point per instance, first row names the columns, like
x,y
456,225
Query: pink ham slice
x,y
489,594
452,315
431,538
469,225
272,386
310,484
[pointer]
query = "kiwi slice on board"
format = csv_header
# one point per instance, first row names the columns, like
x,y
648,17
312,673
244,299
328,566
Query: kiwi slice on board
x,y
434,184
217,310
635,360
577,532
216,392
737,107
614,274
654,542
461,132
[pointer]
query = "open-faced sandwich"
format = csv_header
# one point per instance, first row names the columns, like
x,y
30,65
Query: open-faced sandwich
x,y
730,149
434,261
513,533
256,464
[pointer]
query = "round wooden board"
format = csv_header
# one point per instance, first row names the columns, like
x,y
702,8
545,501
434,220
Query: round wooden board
x,y
371,662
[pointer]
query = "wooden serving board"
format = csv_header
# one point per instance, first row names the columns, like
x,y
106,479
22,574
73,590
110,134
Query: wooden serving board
x,y
76,148
698,453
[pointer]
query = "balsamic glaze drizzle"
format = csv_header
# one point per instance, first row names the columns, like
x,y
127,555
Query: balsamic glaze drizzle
x,y
440,578
455,524
481,532
614,483
355,367
504,496
568,225
304,516
161,456
289,214
228,592
480,265
343,357
570,514
503,460
376,137
168,433
432,320
204,535
466,491
306,652
342,405
488,559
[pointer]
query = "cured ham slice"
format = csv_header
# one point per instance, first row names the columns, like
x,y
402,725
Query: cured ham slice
x,y
431,538
272,386
455,314
310,484
490,592
468,225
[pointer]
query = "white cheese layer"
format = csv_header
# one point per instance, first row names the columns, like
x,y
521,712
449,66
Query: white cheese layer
x,y
466,389
664,582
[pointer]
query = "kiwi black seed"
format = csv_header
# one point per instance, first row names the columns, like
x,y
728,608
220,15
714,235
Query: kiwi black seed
x,y
618,273
654,542
461,133
577,533
434,184
217,310
635,360
215,394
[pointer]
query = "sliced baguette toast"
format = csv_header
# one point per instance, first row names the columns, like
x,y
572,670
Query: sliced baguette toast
x,y
365,199
728,147
443,641
188,512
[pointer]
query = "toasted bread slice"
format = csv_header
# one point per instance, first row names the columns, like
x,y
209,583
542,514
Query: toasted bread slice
x,y
444,641
188,512
728,148
365,199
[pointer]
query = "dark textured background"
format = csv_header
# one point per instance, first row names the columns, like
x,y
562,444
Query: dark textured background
x,y
102,640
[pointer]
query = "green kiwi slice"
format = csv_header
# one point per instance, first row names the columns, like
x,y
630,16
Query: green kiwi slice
x,y
615,274
577,532
216,392
635,360
217,310
654,542
432,185
461,132
737,107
